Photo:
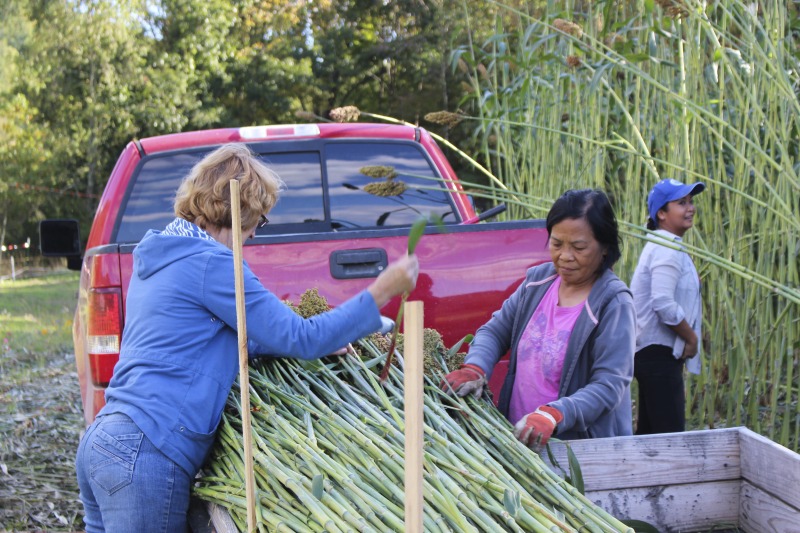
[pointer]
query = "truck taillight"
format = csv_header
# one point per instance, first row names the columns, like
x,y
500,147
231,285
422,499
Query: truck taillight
x,y
104,324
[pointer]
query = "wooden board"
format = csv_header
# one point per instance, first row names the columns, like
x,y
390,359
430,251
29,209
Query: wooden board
x,y
689,482
221,519
761,512
654,460
770,467
693,481
695,507
413,399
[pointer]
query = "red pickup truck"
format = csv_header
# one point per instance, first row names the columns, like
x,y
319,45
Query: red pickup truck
x,y
326,232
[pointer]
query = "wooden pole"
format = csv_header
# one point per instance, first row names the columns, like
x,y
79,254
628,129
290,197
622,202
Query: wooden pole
x,y
244,375
413,399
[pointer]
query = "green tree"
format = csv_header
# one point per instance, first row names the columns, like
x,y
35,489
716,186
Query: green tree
x,y
260,61
84,77
384,57
79,72
268,76
92,84
22,157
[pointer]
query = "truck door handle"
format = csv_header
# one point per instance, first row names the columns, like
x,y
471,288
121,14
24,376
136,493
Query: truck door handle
x,y
363,263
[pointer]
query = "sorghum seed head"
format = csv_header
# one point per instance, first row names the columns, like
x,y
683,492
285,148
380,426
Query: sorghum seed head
x,y
674,8
311,303
386,188
445,118
378,171
348,113
568,27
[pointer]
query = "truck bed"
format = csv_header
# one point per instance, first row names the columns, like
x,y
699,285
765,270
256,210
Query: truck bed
x,y
708,480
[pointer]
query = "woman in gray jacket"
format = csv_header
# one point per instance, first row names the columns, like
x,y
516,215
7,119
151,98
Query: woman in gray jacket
x,y
570,330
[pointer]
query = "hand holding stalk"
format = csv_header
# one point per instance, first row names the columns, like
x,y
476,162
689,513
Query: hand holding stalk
x,y
399,277
469,379
414,235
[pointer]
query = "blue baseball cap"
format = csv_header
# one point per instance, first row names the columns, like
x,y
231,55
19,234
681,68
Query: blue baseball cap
x,y
669,190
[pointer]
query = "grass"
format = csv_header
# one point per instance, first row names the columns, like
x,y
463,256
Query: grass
x,y
36,315
40,405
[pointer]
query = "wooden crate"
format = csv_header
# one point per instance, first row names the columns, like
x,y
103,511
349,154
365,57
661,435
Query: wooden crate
x,y
722,479
693,481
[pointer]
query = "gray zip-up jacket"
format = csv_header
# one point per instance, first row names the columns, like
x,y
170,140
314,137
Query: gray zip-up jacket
x,y
594,394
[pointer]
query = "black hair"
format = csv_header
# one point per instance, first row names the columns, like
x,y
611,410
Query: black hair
x,y
594,206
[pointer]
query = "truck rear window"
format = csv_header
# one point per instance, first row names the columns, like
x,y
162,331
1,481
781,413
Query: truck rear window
x,y
355,199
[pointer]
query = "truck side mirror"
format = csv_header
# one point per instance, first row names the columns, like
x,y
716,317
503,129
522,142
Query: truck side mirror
x,y
61,238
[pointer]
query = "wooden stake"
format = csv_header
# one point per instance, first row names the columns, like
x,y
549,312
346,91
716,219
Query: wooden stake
x,y
413,399
244,375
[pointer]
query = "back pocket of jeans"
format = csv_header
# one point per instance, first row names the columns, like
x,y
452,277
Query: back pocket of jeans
x,y
113,458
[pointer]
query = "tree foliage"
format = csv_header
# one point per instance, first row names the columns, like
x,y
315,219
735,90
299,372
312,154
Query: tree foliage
x,y
81,78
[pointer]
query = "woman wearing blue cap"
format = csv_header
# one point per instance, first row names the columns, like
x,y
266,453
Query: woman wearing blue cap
x,y
666,294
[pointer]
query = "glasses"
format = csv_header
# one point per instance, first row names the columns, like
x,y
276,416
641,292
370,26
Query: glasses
x,y
262,221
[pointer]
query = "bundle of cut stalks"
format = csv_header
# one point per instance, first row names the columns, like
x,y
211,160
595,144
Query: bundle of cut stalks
x,y
329,445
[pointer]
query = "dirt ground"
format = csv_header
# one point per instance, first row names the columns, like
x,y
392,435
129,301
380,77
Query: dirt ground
x,y
41,424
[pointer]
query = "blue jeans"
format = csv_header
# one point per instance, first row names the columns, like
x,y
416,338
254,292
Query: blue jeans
x,y
126,483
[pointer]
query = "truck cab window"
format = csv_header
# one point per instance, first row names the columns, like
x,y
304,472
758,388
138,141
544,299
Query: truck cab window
x,y
149,204
301,203
359,200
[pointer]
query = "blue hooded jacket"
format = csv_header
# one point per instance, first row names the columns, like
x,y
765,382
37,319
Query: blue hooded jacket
x,y
179,353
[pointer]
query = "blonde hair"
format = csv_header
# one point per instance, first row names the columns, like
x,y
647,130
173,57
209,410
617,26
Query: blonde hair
x,y
204,196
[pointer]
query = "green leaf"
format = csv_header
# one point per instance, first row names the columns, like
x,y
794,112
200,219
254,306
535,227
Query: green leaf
x,y
512,501
598,76
575,472
309,425
637,57
316,486
415,234
575,475
418,229
457,346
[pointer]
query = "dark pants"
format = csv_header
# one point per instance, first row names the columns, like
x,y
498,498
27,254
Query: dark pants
x,y
662,404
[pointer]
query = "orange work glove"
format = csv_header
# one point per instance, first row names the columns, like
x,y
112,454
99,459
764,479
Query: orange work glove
x,y
469,379
536,428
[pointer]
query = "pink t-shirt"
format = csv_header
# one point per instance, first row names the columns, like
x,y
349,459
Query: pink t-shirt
x,y
540,354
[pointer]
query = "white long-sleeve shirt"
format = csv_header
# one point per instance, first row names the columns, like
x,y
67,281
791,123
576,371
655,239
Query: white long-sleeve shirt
x,y
666,290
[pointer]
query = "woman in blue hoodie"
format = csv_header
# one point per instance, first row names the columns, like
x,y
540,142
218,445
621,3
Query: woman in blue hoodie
x,y
178,358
